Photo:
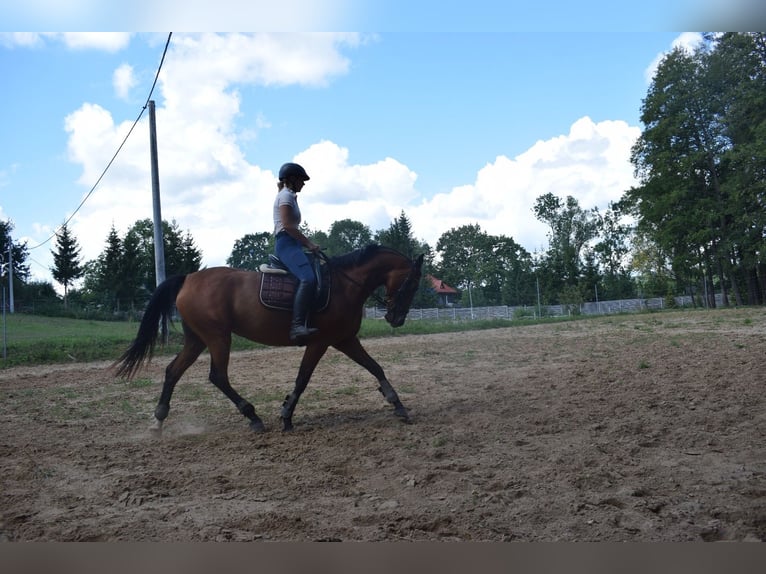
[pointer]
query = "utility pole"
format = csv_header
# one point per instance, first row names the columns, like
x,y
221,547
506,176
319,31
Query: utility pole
x,y
598,307
159,247
5,332
10,272
539,308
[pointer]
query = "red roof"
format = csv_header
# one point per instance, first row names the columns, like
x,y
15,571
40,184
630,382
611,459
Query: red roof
x,y
440,286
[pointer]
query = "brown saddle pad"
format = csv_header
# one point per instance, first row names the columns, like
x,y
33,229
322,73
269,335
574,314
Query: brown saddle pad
x,y
277,292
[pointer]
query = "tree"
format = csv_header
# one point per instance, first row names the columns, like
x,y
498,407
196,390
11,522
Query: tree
x,y
738,70
317,237
571,229
399,236
37,294
187,258
124,273
490,269
67,267
346,235
107,280
141,237
181,256
701,162
509,276
112,268
652,267
611,253
132,271
251,250
19,252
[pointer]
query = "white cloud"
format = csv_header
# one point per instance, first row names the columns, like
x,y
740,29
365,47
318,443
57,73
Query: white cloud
x,y
591,163
123,80
206,183
209,187
689,41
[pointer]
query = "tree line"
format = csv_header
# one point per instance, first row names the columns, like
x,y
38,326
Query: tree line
x,y
700,206
694,225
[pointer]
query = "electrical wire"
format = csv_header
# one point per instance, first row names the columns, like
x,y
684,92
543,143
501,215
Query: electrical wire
x,y
111,161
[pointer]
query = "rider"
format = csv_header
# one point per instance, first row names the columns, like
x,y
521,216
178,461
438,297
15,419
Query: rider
x,y
289,243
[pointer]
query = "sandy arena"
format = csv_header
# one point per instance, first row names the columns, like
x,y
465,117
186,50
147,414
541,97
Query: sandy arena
x,y
645,427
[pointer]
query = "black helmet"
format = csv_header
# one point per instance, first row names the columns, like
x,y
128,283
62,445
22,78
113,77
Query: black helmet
x,y
292,170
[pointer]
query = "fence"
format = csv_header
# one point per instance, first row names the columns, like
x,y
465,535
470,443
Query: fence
x,y
507,312
498,312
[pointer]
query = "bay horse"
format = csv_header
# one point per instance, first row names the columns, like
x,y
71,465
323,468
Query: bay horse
x,y
216,302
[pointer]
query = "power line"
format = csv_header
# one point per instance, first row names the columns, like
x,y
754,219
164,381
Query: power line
x,y
111,161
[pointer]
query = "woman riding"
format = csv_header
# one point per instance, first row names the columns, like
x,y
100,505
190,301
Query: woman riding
x,y
290,242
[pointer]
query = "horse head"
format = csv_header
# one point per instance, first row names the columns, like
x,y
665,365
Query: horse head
x,y
400,290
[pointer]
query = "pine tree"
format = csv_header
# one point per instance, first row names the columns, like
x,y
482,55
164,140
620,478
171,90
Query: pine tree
x,y
110,270
66,260
399,236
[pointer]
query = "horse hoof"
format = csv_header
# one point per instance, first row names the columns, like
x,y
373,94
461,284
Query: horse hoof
x,y
257,426
155,429
403,415
288,425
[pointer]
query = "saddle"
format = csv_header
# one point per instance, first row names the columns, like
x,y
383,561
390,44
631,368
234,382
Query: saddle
x,y
278,285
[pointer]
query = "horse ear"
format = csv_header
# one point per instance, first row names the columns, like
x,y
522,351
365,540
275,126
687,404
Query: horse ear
x,y
419,260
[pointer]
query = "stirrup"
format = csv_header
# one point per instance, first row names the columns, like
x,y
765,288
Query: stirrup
x,y
301,332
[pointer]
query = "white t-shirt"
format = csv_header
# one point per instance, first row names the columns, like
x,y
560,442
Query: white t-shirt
x,y
286,197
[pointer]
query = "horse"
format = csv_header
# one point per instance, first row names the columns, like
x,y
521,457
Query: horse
x,y
215,302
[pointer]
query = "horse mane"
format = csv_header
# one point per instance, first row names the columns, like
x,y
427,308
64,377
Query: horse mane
x,y
360,256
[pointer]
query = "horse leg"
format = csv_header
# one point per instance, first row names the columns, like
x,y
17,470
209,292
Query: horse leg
x,y
191,350
311,357
353,349
219,376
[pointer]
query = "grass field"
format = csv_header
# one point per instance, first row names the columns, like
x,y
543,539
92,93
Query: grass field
x,y
35,339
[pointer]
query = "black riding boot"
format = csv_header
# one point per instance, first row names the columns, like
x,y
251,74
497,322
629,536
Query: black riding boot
x,y
298,329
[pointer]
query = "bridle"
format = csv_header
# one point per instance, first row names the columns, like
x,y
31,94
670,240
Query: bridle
x,y
403,288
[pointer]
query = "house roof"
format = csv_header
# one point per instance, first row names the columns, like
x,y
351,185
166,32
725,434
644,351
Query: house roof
x,y
440,286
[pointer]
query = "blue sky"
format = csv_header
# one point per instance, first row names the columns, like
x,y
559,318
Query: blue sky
x,y
452,127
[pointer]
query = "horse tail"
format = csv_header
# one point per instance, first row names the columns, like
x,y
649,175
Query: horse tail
x,y
156,315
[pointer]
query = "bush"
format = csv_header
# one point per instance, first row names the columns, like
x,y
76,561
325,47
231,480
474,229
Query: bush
x,y
669,302
524,313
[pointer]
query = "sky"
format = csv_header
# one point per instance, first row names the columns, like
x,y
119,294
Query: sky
x,y
466,120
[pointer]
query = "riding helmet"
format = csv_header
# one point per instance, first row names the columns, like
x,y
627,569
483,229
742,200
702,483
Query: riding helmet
x,y
292,170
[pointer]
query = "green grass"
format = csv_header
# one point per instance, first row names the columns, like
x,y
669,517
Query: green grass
x,y
35,339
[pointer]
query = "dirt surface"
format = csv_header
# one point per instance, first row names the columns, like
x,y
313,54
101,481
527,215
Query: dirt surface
x,y
647,427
